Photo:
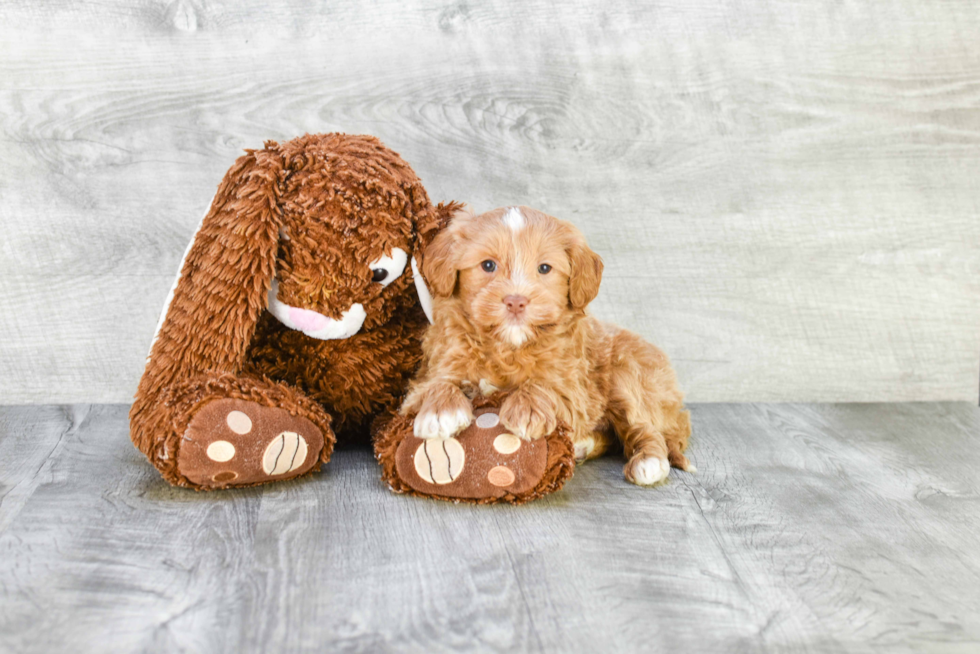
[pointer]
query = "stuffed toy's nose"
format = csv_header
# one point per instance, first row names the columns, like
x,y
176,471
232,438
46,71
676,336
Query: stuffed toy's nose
x,y
307,321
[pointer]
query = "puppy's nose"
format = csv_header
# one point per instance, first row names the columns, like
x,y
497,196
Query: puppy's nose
x,y
516,303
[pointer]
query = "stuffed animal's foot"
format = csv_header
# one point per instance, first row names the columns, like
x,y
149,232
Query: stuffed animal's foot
x,y
233,442
483,463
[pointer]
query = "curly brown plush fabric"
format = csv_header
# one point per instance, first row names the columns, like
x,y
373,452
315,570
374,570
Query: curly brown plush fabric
x,y
395,444
309,215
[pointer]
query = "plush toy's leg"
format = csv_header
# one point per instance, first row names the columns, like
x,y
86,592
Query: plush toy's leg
x,y
219,430
484,463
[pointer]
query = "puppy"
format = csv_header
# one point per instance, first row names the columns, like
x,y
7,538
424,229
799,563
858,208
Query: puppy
x,y
510,290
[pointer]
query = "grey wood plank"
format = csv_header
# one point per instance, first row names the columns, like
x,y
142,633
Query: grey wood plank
x,y
784,193
818,528
30,439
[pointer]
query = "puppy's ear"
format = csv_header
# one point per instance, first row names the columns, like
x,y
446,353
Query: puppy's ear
x,y
439,263
586,269
433,222
224,282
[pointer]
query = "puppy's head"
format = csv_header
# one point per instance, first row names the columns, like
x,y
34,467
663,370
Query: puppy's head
x,y
516,271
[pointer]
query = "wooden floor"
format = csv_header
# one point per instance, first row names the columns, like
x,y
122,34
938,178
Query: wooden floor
x,y
822,528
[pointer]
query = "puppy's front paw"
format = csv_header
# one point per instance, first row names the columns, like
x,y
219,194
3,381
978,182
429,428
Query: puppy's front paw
x,y
447,424
646,471
528,419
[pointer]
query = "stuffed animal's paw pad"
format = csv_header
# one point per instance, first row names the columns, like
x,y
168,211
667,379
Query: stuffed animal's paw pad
x,y
232,442
440,460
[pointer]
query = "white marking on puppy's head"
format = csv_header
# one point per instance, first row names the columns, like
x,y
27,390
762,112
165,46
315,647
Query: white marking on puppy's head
x,y
313,324
514,219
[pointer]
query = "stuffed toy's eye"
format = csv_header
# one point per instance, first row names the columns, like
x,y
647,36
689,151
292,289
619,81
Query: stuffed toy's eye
x,y
544,269
488,265
387,269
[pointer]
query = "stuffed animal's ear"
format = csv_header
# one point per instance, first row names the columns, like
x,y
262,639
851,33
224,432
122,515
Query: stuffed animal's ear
x,y
225,278
586,269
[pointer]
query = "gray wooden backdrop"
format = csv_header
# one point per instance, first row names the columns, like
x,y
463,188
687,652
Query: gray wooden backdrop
x,y
785,193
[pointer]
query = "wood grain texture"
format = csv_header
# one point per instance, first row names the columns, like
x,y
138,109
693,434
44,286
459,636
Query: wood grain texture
x,y
785,193
809,528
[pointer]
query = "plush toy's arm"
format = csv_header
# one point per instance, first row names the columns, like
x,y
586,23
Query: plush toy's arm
x,y
224,283
195,414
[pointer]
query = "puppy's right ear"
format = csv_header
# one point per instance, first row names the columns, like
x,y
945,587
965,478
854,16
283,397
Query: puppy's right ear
x,y
440,260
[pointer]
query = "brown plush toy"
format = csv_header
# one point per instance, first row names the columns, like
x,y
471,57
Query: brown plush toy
x,y
294,319
483,464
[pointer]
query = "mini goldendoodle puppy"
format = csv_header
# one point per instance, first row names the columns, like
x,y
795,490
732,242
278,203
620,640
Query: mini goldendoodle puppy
x,y
510,291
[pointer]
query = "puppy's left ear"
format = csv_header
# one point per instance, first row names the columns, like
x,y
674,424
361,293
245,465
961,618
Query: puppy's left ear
x,y
586,269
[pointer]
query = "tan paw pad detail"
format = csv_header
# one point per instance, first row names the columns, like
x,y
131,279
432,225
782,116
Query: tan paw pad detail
x,y
500,476
221,451
285,453
487,420
239,422
439,460
506,443
232,442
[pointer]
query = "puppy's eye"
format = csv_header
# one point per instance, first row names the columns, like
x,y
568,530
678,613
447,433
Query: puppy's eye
x,y
544,269
387,269
488,265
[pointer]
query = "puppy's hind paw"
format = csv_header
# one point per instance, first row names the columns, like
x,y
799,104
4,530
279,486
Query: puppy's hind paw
x,y
583,449
647,471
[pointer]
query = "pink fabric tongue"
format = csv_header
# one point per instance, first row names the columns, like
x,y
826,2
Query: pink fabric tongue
x,y
307,321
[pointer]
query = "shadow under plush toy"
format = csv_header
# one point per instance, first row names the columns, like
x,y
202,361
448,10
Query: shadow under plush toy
x,y
294,320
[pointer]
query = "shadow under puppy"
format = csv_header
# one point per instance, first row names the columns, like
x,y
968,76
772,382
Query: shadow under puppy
x,y
510,288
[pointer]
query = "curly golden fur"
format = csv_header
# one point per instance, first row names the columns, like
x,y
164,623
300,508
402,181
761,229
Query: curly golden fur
x,y
306,219
511,288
